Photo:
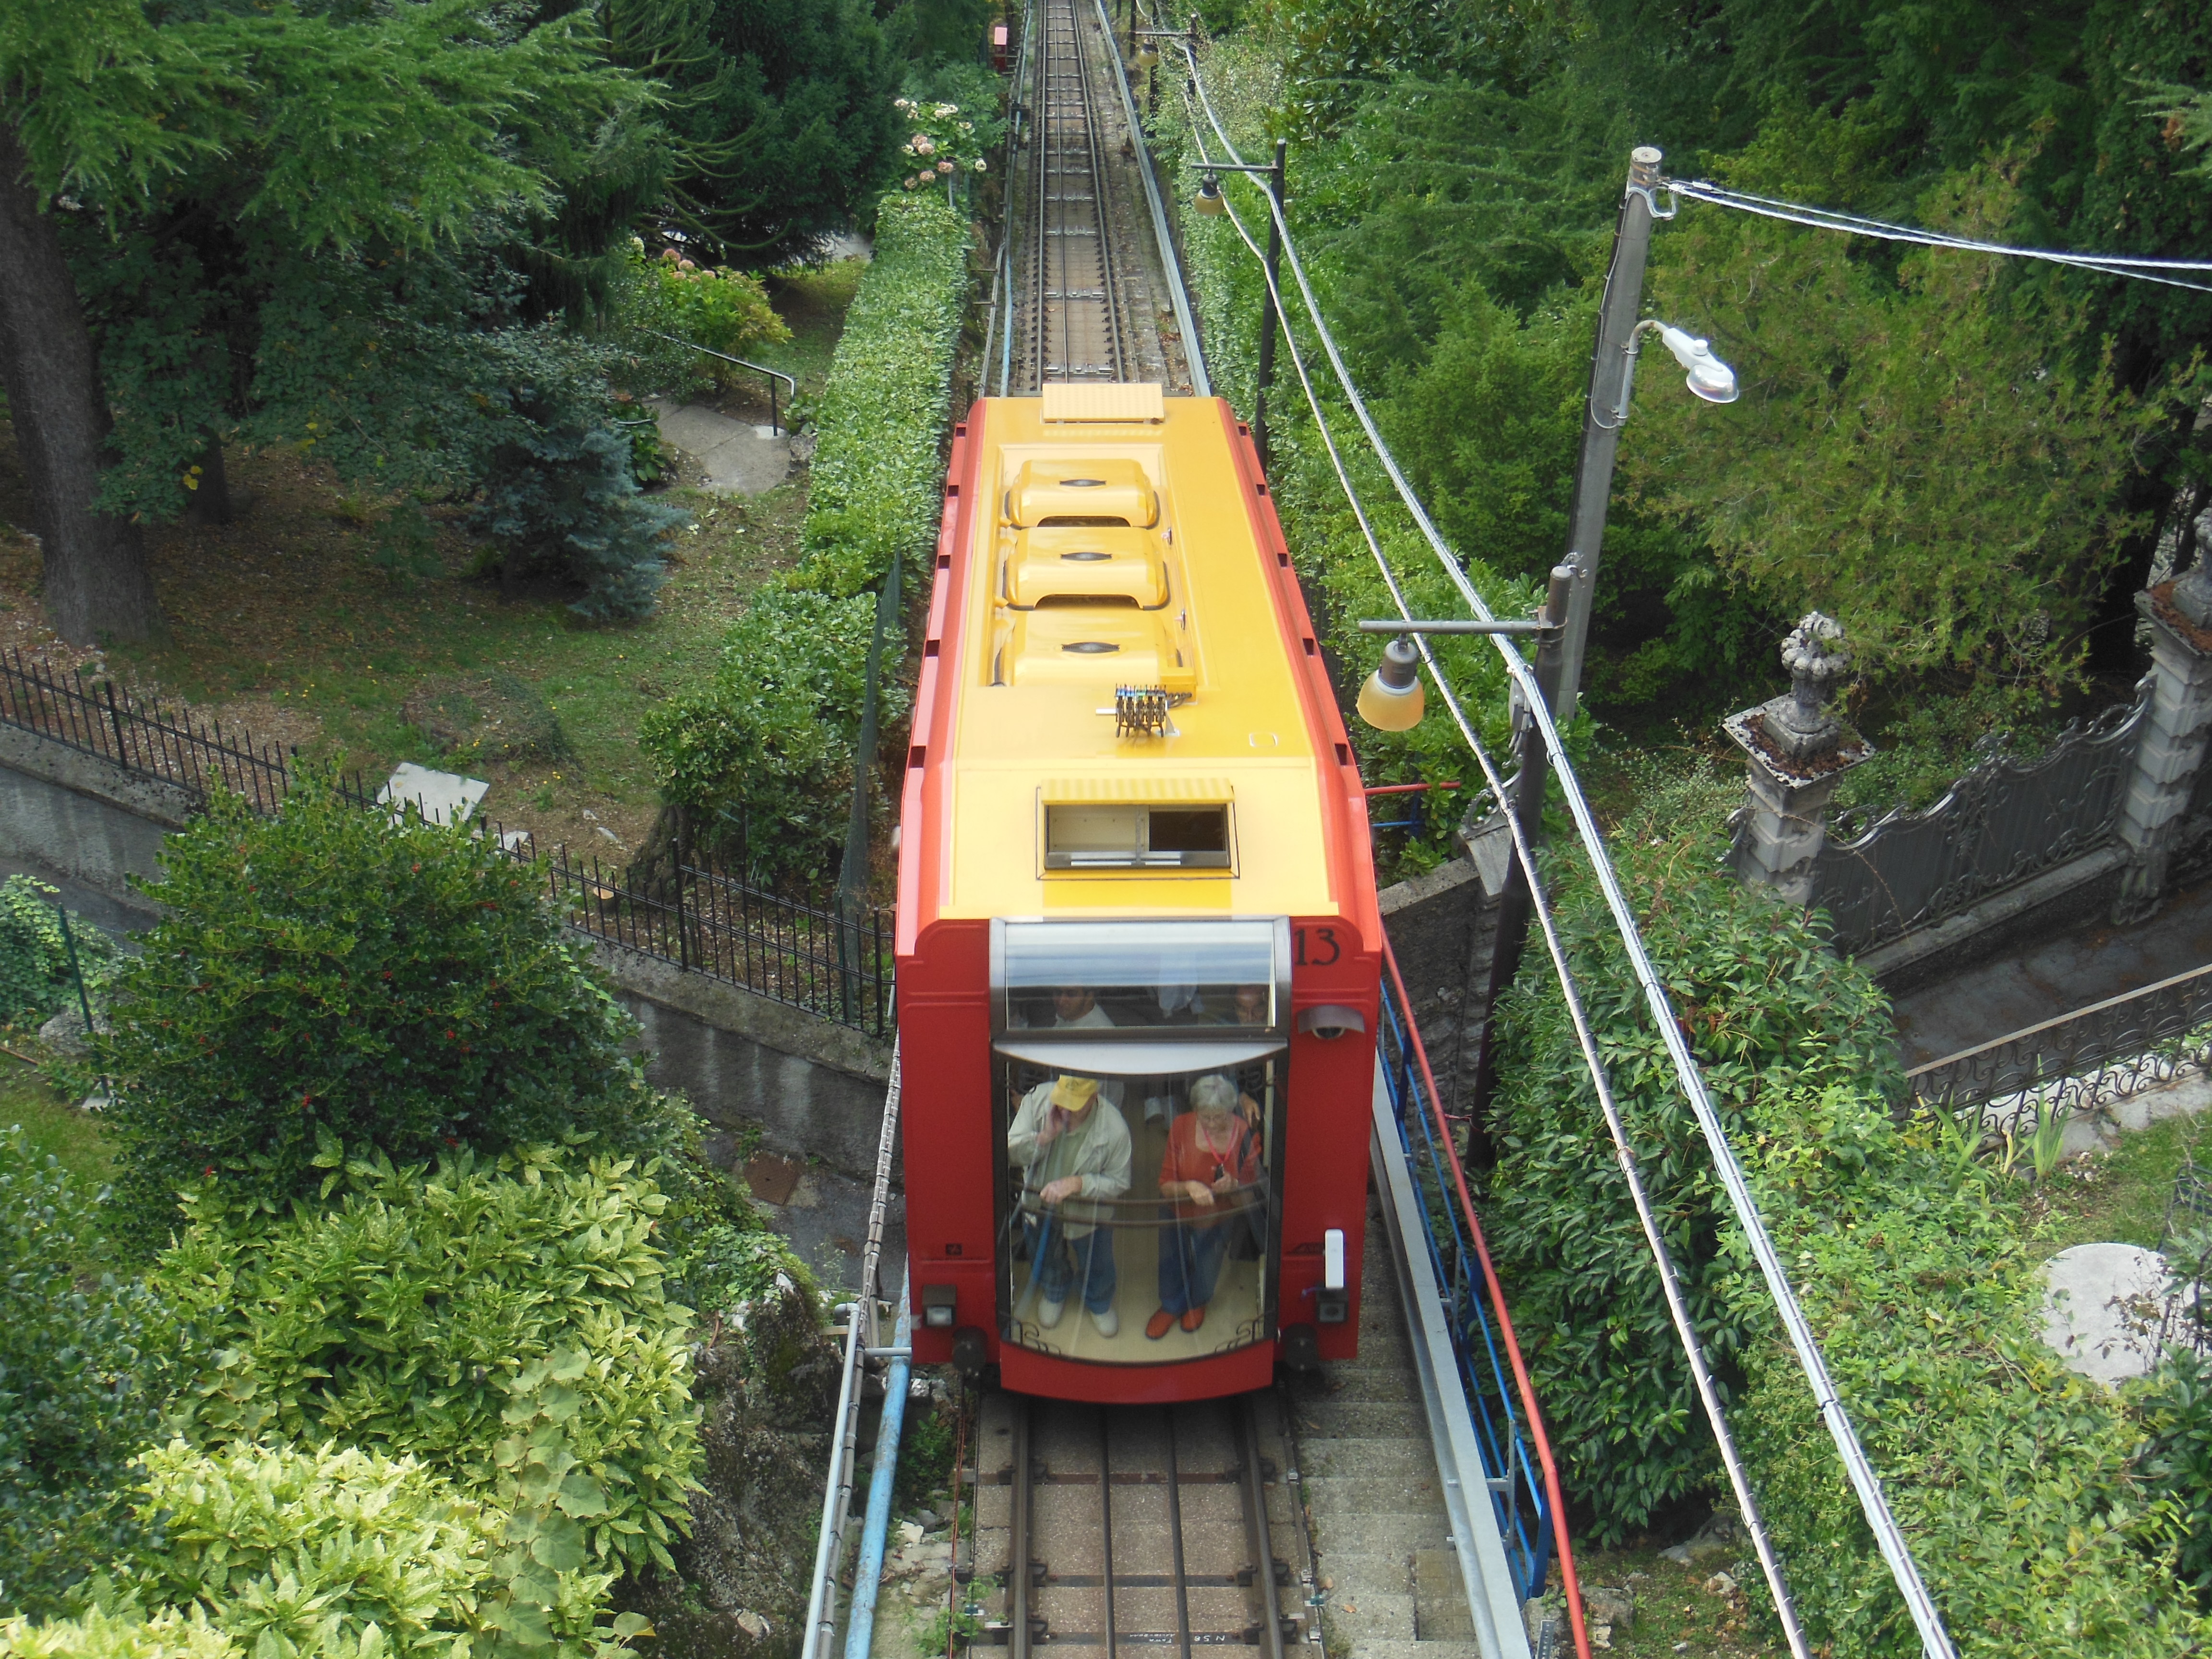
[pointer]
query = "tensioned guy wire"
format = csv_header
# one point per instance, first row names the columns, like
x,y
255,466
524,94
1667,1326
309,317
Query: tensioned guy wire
x,y
1851,224
1624,1150
1889,1538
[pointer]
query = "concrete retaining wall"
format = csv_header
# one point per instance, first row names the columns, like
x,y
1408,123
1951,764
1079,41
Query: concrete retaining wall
x,y
816,1088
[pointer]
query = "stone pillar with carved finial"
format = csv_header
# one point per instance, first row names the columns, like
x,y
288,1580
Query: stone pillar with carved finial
x,y
2171,750
1796,750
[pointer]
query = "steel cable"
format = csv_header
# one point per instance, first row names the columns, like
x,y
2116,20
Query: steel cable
x,y
1889,1538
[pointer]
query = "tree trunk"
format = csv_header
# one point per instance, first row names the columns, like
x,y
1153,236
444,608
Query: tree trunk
x,y
97,584
211,503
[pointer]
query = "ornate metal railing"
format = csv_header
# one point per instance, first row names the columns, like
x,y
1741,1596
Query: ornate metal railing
x,y
1517,1487
2082,1060
694,913
2003,821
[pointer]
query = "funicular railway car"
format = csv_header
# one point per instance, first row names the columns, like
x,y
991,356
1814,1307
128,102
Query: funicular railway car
x,y
1137,946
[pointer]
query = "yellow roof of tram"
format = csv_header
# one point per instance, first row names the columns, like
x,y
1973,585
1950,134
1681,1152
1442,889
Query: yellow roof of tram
x,y
1103,553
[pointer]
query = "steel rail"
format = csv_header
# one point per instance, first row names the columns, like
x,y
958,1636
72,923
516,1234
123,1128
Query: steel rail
x,y
1866,1483
1178,296
1246,1411
861,1333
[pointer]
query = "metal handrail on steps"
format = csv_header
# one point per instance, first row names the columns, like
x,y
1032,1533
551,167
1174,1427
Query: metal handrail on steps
x,y
775,424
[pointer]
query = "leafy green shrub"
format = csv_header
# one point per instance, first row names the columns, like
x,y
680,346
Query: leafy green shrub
x,y
506,1324
168,1634
770,736
350,1554
2014,1480
330,973
86,1369
35,978
2175,1404
725,311
1769,1008
878,469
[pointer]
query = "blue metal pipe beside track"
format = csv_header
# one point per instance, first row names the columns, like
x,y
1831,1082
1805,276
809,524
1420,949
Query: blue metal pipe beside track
x,y
867,1578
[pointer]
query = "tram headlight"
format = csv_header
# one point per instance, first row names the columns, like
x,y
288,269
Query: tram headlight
x,y
939,1302
1392,699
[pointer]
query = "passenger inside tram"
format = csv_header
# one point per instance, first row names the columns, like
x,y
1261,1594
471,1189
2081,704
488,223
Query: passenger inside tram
x,y
1074,1151
1211,1167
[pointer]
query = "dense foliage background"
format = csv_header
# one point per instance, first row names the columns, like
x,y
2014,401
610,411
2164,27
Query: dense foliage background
x,y
1967,459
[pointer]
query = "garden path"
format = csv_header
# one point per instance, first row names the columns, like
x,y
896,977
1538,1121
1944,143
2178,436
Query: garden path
x,y
2055,976
738,458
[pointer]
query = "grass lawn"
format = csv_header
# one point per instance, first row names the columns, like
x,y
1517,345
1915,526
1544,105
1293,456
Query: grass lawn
x,y
2117,1197
1679,1609
52,1124
281,626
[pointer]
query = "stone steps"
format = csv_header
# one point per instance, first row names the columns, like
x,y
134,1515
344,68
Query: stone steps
x,y
1369,1474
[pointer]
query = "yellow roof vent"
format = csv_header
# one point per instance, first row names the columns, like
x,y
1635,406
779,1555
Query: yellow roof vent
x,y
1146,402
1076,492
1066,565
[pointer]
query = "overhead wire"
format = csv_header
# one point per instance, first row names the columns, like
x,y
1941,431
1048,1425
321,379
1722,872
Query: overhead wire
x,y
1866,1483
1624,1149
1852,224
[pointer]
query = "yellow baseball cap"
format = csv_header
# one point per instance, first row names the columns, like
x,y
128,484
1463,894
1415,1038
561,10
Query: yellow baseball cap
x,y
1074,1094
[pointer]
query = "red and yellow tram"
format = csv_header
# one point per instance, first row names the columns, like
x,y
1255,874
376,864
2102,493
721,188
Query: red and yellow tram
x,y
1138,962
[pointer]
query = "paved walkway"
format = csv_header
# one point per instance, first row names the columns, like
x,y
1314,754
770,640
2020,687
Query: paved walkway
x,y
2066,972
739,458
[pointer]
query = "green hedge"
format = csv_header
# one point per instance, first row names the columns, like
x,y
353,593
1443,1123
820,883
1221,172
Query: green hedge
x,y
2019,1485
878,471
509,1326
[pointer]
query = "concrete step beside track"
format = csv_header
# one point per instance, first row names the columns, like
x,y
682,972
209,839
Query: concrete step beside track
x,y
1369,1476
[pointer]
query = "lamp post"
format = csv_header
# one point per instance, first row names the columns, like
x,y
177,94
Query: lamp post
x,y
1209,201
1610,366
1391,700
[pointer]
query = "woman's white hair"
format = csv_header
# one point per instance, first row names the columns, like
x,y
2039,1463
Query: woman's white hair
x,y
1214,1091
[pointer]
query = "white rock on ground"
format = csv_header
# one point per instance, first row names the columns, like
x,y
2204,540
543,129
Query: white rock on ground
x,y
444,797
2103,1306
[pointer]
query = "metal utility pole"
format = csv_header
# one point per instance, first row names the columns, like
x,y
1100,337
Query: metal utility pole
x,y
1515,906
1265,377
1624,298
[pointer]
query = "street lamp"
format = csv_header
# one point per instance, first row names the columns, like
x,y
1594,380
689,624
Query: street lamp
x,y
1392,699
1208,200
1709,378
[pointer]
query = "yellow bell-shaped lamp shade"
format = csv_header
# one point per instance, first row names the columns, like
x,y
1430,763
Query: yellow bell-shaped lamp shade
x,y
1209,201
1147,54
1392,699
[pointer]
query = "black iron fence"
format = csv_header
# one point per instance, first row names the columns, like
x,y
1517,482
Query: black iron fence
x,y
97,717
2084,1059
690,911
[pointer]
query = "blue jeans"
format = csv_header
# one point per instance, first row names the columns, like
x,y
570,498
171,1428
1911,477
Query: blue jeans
x,y
1190,1261
1053,1260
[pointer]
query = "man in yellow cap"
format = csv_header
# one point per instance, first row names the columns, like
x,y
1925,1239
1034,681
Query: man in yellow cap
x,y
1073,1150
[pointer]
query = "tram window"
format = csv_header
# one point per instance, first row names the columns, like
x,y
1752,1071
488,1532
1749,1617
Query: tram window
x,y
1147,976
1118,836
1136,1221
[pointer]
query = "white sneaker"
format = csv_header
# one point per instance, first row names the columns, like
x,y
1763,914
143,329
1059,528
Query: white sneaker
x,y
1108,1322
1048,1313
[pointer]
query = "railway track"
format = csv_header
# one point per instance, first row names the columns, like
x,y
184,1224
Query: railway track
x,y
1090,304
1118,1529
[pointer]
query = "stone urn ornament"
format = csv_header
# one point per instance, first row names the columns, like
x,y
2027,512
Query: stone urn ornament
x,y
1799,725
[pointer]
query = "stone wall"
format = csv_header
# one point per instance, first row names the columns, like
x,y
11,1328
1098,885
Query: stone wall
x,y
816,1088
1442,926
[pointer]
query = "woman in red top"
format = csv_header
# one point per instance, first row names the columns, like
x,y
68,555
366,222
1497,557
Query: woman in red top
x,y
1212,1158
